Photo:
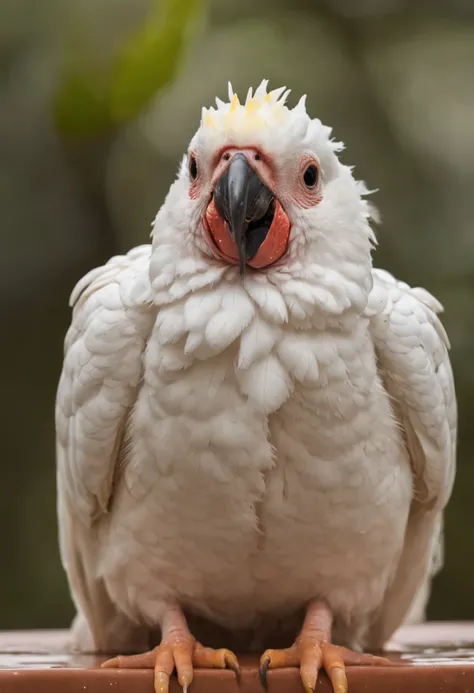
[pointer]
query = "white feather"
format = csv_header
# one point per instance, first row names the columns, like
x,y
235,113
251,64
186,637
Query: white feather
x,y
227,324
214,433
267,384
257,341
298,354
269,300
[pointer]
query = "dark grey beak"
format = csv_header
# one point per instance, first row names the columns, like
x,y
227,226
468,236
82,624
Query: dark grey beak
x,y
246,204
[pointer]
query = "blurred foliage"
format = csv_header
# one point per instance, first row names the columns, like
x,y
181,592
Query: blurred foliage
x,y
99,99
90,99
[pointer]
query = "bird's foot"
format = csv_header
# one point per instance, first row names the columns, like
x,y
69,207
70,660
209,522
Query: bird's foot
x,y
180,653
313,651
313,654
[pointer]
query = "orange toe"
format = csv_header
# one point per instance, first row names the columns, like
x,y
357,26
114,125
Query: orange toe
x,y
182,655
312,654
208,658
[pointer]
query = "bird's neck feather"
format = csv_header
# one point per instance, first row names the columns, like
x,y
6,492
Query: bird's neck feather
x,y
272,324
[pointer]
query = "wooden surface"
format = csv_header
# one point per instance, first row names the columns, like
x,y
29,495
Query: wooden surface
x,y
432,658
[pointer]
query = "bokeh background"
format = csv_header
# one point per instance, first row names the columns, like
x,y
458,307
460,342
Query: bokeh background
x,y
98,100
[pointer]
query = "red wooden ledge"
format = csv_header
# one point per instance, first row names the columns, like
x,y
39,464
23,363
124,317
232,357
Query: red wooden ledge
x,y
435,657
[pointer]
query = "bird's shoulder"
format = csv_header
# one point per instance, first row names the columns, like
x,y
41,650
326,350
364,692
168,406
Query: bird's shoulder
x,y
412,349
112,319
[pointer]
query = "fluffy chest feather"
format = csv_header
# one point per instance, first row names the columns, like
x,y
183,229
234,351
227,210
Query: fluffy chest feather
x,y
253,443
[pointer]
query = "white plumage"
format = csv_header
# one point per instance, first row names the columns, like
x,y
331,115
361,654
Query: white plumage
x,y
243,446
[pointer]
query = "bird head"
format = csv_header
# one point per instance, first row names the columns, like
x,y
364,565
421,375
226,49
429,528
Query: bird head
x,y
261,190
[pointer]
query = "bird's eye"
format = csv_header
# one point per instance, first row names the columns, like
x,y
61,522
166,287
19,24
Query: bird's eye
x,y
193,169
311,176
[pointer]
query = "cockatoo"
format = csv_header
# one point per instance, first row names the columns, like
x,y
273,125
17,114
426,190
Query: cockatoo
x,y
256,429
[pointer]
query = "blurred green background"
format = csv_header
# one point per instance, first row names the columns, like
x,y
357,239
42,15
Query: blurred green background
x,y
98,100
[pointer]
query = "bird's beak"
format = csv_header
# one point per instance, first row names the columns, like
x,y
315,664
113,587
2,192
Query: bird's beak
x,y
246,204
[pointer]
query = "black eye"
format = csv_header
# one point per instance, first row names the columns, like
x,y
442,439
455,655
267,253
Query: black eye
x,y
310,176
193,168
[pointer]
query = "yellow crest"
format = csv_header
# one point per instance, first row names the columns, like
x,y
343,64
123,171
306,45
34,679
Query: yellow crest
x,y
260,110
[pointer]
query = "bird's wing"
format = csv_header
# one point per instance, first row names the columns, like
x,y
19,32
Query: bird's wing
x,y
413,355
112,319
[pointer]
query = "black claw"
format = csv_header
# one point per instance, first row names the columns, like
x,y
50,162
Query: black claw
x,y
236,670
263,672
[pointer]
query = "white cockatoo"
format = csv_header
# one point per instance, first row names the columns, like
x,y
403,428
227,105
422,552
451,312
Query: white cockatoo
x,y
256,429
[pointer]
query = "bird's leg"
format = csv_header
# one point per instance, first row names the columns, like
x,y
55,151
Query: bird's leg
x,y
178,651
313,651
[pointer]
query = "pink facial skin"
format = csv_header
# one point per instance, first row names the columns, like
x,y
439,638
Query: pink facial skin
x,y
288,187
